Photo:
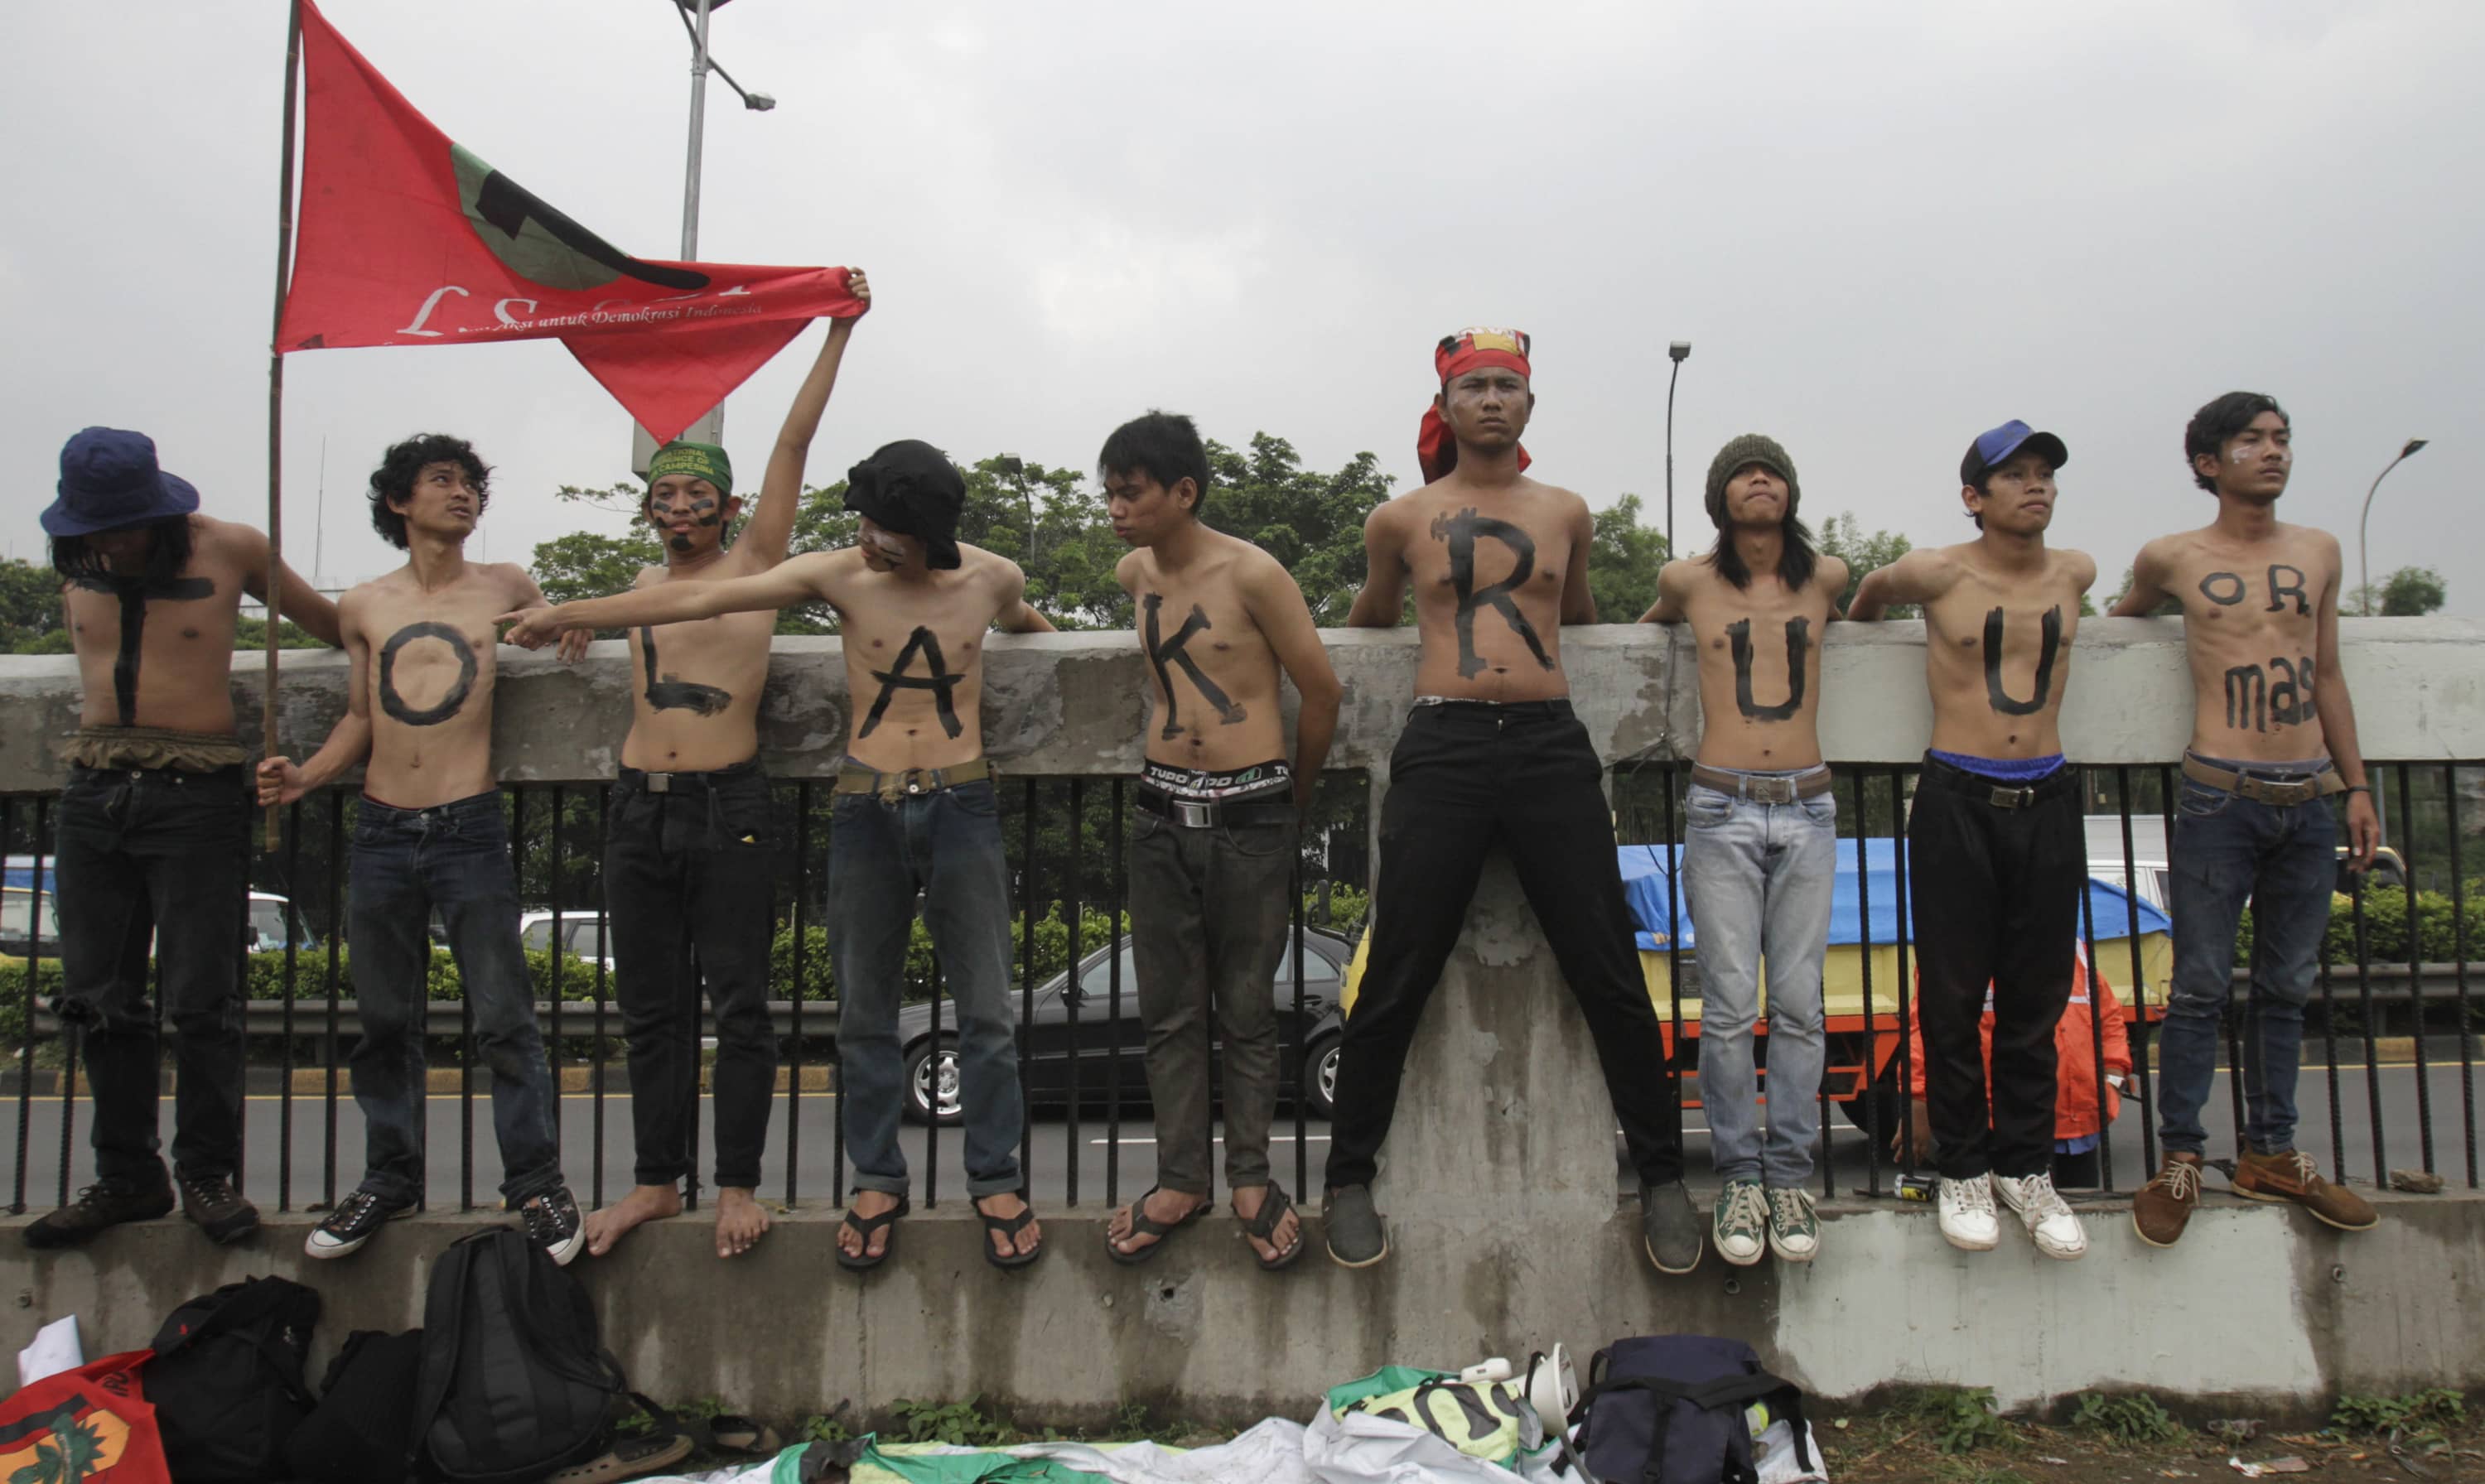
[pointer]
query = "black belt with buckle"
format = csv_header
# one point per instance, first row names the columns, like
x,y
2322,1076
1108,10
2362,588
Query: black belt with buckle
x,y
1209,812
684,782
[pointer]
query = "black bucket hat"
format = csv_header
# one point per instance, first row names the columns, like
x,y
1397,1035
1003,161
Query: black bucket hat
x,y
912,488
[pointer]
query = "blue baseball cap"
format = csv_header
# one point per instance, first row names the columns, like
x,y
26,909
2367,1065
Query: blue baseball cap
x,y
109,479
1995,446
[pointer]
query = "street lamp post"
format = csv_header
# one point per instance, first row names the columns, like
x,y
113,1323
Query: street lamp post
x,y
2363,571
1680,351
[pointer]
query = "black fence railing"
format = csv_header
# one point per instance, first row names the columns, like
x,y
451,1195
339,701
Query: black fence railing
x,y
2388,1037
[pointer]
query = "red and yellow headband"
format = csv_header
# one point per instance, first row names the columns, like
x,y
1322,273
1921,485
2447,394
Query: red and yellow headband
x,y
1436,449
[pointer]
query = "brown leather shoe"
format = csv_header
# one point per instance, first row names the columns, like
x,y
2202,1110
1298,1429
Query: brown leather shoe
x,y
2288,1176
2165,1204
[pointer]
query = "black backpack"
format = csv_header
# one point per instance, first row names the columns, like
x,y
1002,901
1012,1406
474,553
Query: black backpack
x,y
362,1432
225,1381
513,1383
1668,1409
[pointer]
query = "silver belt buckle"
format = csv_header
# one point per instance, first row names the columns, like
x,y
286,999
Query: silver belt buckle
x,y
660,783
1771,791
1192,813
2013,799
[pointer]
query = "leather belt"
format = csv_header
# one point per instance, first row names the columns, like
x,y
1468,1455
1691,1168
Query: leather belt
x,y
1208,813
1763,791
2267,790
911,782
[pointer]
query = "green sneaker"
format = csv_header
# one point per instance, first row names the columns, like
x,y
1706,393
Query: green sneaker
x,y
1740,1222
1794,1228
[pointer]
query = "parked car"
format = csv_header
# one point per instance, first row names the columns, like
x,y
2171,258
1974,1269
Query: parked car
x,y
271,917
1059,1052
579,931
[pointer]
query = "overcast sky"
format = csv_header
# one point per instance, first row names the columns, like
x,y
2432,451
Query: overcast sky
x,y
1884,228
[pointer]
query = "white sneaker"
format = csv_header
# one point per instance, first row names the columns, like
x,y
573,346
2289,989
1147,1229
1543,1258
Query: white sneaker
x,y
1968,1220
2057,1232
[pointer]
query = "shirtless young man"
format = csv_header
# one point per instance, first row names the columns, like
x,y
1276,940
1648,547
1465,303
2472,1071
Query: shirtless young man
x,y
2273,737
428,835
691,840
152,828
1213,842
915,813
1760,858
1995,844
1492,756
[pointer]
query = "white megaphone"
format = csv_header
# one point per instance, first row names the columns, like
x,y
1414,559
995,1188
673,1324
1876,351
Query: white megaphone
x,y
1552,1388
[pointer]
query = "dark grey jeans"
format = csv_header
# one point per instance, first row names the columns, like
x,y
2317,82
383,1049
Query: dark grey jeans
x,y
1210,907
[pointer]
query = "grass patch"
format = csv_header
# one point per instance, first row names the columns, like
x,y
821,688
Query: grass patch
x,y
2134,1419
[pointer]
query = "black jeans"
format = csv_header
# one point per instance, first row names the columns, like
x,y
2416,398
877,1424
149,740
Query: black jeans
x,y
145,854
1995,896
1467,777
690,885
406,863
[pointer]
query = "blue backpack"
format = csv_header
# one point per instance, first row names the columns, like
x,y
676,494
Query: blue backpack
x,y
1669,1409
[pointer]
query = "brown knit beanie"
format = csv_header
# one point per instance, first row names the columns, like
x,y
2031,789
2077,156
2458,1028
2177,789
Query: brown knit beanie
x,y
1750,448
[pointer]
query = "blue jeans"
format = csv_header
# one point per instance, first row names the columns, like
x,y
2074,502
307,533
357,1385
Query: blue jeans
x,y
1757,879
2284,859
407,863
945,845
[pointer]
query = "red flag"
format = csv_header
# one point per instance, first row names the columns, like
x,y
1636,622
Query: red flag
x,y
407,238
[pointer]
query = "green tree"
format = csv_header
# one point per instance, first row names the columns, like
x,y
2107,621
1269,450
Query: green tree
x,y
1843,536
30,609
1624,564
2412,592
1309,520
250,635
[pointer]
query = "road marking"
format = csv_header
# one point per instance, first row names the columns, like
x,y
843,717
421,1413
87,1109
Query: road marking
x,y
1216,1139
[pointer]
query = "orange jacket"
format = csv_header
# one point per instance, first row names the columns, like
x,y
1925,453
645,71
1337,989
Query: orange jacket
x,y
2075,1099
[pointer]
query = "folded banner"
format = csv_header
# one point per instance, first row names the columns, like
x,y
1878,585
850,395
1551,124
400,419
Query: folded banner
x,y
408,238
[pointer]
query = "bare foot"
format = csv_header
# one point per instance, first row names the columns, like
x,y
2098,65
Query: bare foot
x,y
1165,1208
1029,1236
866,1204
1247,1200
740,1221
644,1202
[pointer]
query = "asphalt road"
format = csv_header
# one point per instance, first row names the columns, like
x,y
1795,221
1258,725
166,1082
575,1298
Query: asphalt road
x,y
1084,1168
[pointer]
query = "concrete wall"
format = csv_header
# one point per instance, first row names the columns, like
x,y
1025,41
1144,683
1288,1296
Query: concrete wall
x,y
1499,1176
1075,703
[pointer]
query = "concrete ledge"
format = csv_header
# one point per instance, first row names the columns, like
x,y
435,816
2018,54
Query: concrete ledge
x,y
2259,1307
1076,703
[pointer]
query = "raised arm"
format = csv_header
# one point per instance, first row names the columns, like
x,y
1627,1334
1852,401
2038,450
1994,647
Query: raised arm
x,y
279,780
1673,594
1579,599
2148,575
790,583
1919,577
2337,713
301,604
1384,598
780,491
1276,606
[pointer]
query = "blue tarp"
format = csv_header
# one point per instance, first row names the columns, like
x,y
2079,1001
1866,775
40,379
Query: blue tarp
x,y
1648,878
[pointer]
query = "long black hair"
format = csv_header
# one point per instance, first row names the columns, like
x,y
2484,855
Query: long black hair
x,y
168,555
1795,557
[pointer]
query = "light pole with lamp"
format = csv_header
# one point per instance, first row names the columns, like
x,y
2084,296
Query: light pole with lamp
x,y
694,14
2363,569
1680,351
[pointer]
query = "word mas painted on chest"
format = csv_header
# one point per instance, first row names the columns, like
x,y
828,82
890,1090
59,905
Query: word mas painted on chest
x,y
1461,532
2261,697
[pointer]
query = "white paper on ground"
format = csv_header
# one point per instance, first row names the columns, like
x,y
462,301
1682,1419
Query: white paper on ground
x,y
1773,1452
1359,1448
53,1350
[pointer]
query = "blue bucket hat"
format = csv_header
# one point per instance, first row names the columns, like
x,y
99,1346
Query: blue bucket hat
x,y
109,479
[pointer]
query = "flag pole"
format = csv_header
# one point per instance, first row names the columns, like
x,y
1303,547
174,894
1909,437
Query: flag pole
x,y
276,401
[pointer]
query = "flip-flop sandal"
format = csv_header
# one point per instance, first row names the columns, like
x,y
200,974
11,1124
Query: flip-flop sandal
x,y
1263,1227
630,1458
1144,1225
1009,1226
864,1227
742,1438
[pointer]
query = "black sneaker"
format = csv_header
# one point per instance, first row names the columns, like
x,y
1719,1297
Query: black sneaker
x,y
552,1224
219,1209
1356,1238
1670,1227
101,1204
355,1221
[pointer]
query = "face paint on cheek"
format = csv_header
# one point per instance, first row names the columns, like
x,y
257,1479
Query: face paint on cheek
x,y
890,548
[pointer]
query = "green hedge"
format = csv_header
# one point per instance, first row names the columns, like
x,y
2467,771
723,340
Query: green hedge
x,y
2386,927
1051,952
